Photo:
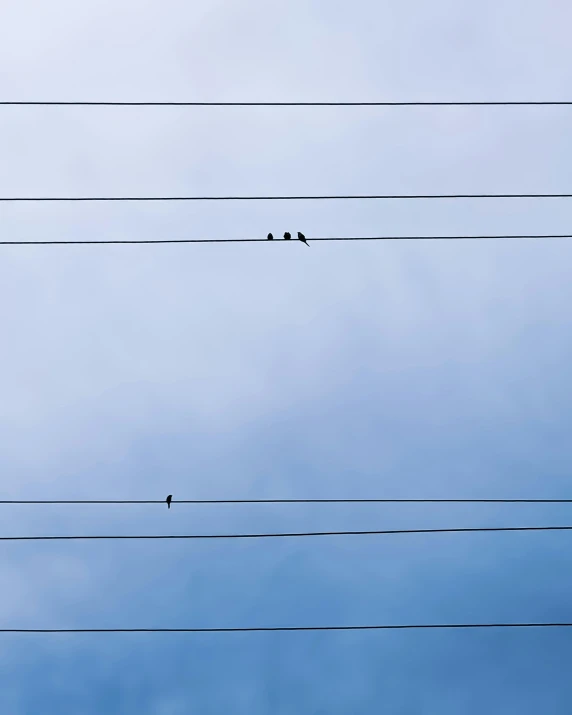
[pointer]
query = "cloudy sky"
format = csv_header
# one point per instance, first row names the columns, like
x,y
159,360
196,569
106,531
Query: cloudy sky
x,y
395,369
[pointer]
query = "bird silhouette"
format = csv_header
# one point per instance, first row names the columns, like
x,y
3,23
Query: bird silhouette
x,y
168,500
270,237
302,238
287,236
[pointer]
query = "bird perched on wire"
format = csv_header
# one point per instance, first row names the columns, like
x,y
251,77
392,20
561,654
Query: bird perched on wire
x,y
287,236
168,500
302,238
270,237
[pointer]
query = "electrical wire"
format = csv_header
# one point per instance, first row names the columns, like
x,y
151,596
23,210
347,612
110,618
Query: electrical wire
x,y
273,629
287,501
264,240
498,103
323,197
201,537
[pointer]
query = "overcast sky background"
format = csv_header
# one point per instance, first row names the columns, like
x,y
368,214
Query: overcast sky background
x,y
394,369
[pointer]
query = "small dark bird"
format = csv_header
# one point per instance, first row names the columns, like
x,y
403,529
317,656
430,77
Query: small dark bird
x,y
287,236
302,238
270,237
168,500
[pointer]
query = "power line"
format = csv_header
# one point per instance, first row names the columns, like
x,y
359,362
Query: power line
x,y
273,629
324,197
499,103
264,240
99,537
287,501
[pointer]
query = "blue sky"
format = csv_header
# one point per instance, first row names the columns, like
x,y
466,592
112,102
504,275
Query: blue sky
x,y
360,370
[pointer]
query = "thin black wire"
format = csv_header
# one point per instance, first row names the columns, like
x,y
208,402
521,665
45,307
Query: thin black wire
x,y
515,103
268,629
339,197
264,240
287,534
287,501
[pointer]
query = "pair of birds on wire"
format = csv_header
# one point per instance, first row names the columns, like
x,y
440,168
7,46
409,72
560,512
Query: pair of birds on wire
x,y
288,236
